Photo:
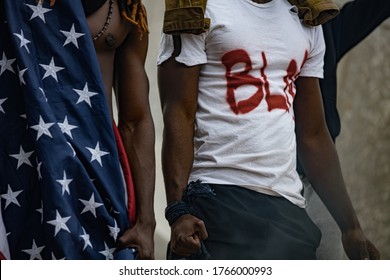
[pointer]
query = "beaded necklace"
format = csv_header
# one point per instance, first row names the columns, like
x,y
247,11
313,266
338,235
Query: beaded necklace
x,y
107,23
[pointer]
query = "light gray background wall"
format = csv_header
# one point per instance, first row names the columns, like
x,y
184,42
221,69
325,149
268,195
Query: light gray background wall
x,y
155,10
364,144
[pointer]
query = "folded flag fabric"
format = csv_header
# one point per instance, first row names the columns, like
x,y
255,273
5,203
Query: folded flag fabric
x,y
4,250
61,184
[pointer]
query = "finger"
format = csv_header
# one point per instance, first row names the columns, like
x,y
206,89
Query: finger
x,y
201,230
121,243
186,245
127,240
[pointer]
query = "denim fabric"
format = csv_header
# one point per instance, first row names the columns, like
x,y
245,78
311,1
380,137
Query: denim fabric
x,y
246,225
187,16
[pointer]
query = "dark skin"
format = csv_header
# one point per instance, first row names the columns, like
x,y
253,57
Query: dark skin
x,y
179,104
121,53
313,143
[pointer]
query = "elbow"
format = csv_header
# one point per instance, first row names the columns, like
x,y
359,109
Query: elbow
x,y
318,139
178,118
130,125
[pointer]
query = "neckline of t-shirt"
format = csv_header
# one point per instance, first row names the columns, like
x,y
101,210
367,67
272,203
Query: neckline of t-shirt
x,y
262,5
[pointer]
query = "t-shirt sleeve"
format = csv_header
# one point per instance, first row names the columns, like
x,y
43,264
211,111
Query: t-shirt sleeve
x,y
314,65
193,49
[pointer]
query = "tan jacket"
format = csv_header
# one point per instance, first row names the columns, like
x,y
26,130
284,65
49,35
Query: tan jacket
x,y
187,16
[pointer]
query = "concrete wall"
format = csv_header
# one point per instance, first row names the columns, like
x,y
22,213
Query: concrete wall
x,y
364,146
155,10
364,143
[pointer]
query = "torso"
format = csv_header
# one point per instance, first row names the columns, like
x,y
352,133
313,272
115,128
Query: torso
x,y
107,44
245,120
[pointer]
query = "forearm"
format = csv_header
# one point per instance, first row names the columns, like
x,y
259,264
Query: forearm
x,y
178,86
177,155
321,164
139,139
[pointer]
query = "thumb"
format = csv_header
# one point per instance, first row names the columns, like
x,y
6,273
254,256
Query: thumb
x,y
126,240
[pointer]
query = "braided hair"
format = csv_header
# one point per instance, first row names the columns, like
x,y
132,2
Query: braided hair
x,y
52,2
132,10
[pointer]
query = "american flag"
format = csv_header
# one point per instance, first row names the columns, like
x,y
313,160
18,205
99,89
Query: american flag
x,y
61,184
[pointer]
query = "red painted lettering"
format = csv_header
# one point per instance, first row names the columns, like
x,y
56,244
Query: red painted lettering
x,y
274,101
235,80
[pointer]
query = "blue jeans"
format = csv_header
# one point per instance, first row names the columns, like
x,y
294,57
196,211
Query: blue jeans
x,y
244,224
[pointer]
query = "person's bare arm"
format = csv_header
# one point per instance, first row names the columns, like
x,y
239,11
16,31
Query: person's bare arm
x,y
318,156
137,131
178,86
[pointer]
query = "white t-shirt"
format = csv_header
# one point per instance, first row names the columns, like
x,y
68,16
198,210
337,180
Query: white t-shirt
x,y
245,120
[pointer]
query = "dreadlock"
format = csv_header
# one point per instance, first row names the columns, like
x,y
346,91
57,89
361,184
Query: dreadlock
x,y
52,2
132,10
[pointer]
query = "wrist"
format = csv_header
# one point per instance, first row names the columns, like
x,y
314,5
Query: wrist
x,y
146,220
350,226
175,210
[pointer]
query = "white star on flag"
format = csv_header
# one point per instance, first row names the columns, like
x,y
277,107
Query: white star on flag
x,y
114,231
72,36
53,257
23,41
35,251
59,223
66,127
1,102
38,11
86,239
51,70
10,197
84,95
97,154
42,128
65,184
90,205
6,64
22,157
108,252
21,73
